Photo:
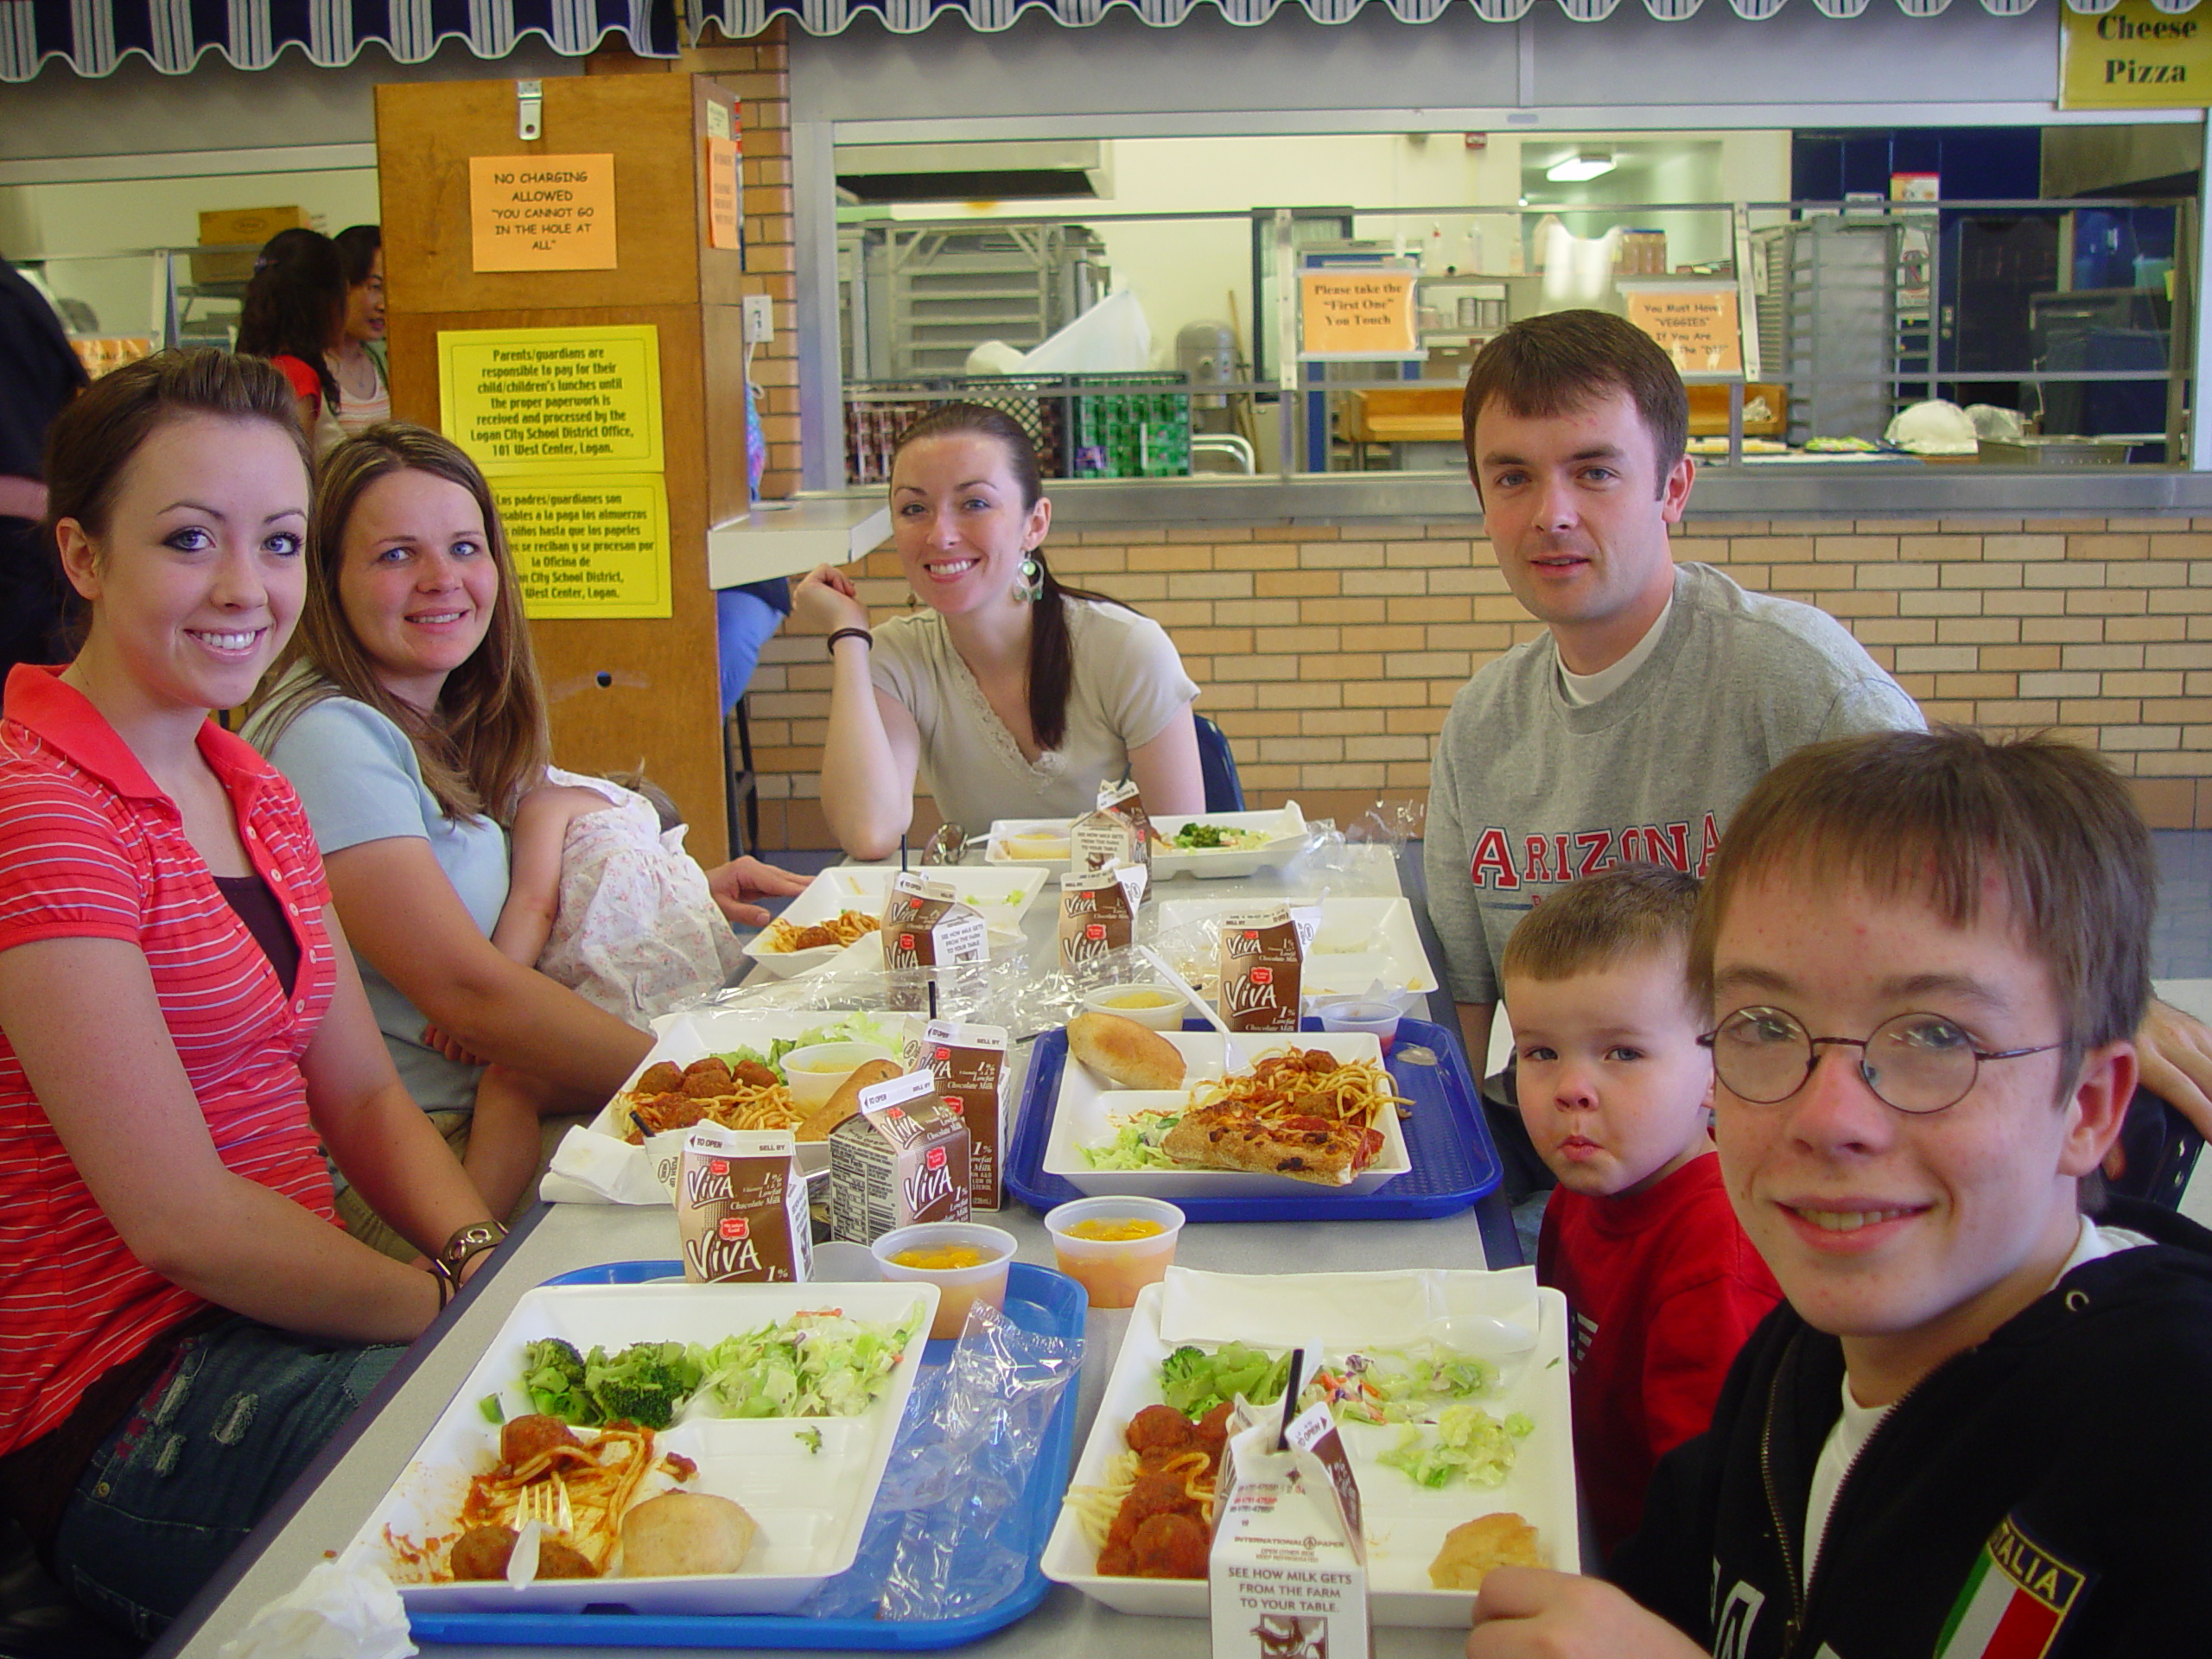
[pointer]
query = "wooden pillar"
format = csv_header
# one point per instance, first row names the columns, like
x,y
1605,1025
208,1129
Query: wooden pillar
x,y
623,692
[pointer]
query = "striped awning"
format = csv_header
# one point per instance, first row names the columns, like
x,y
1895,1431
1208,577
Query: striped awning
x,y
94,35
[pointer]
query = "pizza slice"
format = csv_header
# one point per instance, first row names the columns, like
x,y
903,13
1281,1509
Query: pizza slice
x,y
1328,1153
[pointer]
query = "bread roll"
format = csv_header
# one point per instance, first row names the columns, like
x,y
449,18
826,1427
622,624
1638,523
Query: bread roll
x,y
847,1101
1124,1053
1472,1547
685,1533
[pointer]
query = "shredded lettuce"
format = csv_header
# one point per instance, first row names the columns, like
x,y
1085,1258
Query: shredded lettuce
x,y
1195,1382
1390,1386
855,1028
814,1364
1136,1144
1469,1443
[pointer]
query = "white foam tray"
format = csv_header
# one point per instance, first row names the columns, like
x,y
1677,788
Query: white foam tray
x,y
1406,1524
812,1507
689,1037
1088,1108
1360,941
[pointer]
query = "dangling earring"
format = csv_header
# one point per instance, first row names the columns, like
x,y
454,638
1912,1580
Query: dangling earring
x,y
1030,588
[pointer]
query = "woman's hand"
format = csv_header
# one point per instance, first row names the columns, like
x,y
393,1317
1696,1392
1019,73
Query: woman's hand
x,y
731,883
826,601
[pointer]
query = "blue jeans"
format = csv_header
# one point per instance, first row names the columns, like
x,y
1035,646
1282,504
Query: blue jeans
x,y
205,1453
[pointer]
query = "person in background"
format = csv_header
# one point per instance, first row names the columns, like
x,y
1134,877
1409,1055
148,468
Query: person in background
x,y
295,316
357,363
1660,1281
1014,697
1978,1426
407,712
181,1327
39,374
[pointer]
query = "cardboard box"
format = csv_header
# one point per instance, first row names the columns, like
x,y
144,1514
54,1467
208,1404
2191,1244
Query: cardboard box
x,y
741,1208
902,1158
1286,1576
971,1065
253,225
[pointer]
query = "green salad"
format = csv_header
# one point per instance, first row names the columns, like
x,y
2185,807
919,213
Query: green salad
x,y
1136,1144
857,1028
1468,1444
816,1364
1208,838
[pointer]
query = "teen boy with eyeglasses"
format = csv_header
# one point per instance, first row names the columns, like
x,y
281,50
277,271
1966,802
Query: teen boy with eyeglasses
x,y
1978,1426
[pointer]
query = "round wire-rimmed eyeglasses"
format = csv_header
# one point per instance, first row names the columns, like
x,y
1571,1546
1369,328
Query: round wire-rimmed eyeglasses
x,y
1914,1062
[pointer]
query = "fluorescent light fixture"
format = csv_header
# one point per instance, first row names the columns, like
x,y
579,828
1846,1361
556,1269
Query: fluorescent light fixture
x,y
1583,165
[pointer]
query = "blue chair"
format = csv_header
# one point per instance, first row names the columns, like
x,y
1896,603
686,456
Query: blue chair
x,y
1218,766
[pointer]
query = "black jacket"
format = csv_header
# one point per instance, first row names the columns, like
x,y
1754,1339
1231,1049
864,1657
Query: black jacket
x,y
2075,1443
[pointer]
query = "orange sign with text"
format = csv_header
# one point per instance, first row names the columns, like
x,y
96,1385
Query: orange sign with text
x,y
1357,313
541,213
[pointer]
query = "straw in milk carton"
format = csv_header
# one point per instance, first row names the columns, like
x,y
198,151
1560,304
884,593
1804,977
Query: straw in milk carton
x,y
1287,1577
970,1065
1262,964
902,1158
741,1207
1119,831
925,925
1099,911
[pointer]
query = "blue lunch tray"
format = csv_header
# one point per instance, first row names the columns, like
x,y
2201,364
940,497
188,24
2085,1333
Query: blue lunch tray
x,y
1454,1161
1037,1299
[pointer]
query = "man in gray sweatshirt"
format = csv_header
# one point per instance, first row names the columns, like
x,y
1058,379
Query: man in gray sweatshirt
x,y
1660,693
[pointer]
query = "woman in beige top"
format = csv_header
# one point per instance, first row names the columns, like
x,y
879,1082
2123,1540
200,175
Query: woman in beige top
x,y
1015,697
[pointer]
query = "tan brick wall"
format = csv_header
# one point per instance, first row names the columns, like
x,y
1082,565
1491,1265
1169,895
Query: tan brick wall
x,y
1330,654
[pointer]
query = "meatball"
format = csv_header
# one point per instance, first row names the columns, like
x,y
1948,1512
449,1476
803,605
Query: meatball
x,y
1152,1495
704,1079
481,1553
558,1560
662,1077
522,1439
752,1075
1157,1429
1170,1547
1212,1431
1117,1561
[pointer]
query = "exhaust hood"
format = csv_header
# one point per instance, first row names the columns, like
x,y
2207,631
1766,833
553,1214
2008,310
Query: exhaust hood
x,y
1041,167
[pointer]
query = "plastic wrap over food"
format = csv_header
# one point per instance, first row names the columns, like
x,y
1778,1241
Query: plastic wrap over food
x,y
946,1537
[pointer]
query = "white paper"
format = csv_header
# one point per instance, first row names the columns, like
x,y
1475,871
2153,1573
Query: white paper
x,y
1379,1309
345,1609
589,1167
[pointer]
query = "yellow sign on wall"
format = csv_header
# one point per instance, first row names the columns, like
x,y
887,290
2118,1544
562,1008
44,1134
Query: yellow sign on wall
x,y
577,399
2134,57
567,423
1357,313
541,213
590,547
1698,327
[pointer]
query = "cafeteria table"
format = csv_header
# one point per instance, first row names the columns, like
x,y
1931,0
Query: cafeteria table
x,y
324,1508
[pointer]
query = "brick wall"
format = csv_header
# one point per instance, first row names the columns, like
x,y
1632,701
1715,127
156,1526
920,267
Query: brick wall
x,y
757,71
1330,654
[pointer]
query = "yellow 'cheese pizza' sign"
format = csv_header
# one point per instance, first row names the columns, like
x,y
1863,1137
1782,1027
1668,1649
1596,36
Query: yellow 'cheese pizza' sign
x,y
2134,57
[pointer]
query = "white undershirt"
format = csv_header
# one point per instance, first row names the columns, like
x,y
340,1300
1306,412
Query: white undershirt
x,y
1582,689
1858,1422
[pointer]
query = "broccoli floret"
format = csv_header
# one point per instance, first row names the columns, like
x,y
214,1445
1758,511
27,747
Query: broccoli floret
x,y
1185,1377
553,1377
645,1384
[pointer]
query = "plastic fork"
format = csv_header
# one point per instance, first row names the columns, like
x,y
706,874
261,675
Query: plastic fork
x,y
547,1503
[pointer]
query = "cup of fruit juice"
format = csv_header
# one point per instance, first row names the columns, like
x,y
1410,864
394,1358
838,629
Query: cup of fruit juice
x,y
965,1259
1114,1247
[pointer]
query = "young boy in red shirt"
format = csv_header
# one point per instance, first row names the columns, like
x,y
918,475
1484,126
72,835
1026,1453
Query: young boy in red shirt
x,y
1638,1234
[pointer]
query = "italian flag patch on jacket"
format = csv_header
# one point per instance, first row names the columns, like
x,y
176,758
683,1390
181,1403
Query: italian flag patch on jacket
x,y
2014,1603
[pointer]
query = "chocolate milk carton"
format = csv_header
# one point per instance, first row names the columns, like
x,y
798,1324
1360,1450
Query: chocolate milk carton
x,y
902,1158
970,1065
741,1208
1118,832
1262,963
1099,911
1286,1578
925,925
